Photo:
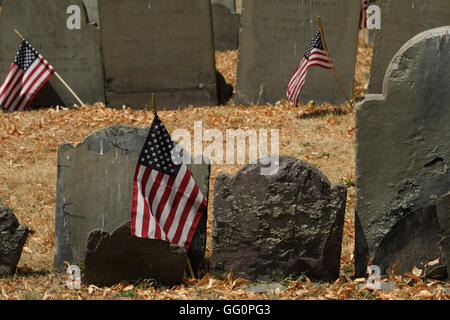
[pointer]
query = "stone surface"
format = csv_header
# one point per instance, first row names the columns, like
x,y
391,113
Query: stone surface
x,y
229,4
443,214
115,257
288,223
403,154
226,27
167,48
12,239
94,191
400,21
274,37
75,54
92,11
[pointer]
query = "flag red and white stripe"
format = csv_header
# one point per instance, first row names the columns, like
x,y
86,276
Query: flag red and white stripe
x,y
28,73
167,203
315,56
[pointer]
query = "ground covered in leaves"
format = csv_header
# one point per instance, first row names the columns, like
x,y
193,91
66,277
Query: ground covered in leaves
x,y
322,135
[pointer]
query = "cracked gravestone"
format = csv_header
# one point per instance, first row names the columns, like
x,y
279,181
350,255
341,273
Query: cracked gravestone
x,y
403,156
226,27
274,37
74,53
94,191
12,239
287,223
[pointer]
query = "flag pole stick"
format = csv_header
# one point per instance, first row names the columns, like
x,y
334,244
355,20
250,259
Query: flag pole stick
x,y
58,76
155,110
190,268
331,62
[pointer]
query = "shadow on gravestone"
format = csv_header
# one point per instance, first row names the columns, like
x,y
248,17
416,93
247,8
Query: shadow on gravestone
x,y
75,54
289,223
402,157
273,38
94,191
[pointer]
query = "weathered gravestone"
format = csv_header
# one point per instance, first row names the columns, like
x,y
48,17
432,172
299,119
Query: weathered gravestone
x,y
92,11
226,27
443,214
75,54
12,239
403,154
274,37
229,4
166,47
400,21
94,192
290,222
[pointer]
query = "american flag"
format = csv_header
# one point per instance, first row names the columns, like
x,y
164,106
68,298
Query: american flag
x,y
28,73
167,203
363,15
314,56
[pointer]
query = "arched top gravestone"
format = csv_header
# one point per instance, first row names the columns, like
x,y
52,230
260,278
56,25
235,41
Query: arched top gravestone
x,y
403,156
59,30
94,199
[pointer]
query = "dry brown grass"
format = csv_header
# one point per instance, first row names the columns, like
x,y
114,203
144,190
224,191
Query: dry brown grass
x,y
322,135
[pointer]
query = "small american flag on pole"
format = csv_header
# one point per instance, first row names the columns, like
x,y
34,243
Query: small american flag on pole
x,y
314,56
167,203
28,73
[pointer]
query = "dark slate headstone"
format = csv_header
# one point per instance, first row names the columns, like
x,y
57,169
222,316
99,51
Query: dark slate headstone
x,y
166,47
115,257
229,4
290,222
403,155
75,54
226,27
92,11
12,239
400,21
95,186
443,214
274,37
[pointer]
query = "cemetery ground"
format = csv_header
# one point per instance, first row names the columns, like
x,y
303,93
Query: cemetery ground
x,y
321,135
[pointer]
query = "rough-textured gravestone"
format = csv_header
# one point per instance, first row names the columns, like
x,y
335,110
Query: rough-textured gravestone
x,y
403,156
167,47
290,222
274,37
12,239
116,257
443,214
75,54
94,191
226,27
400,21
92,11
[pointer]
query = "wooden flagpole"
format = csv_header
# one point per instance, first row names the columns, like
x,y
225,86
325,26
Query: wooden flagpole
x,y
59,77
331,62
155,112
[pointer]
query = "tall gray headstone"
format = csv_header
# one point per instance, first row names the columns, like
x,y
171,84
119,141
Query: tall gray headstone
x,y
74,53
400,21
92,11
274,37
158,46
226,27
95,186
403,157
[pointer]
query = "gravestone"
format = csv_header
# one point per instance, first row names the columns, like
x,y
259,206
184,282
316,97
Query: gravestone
x,y
403,155
443,214
167,48
229,4
290,222
274,37
226,27
75,54
94,191
400,21
92,11
12,239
